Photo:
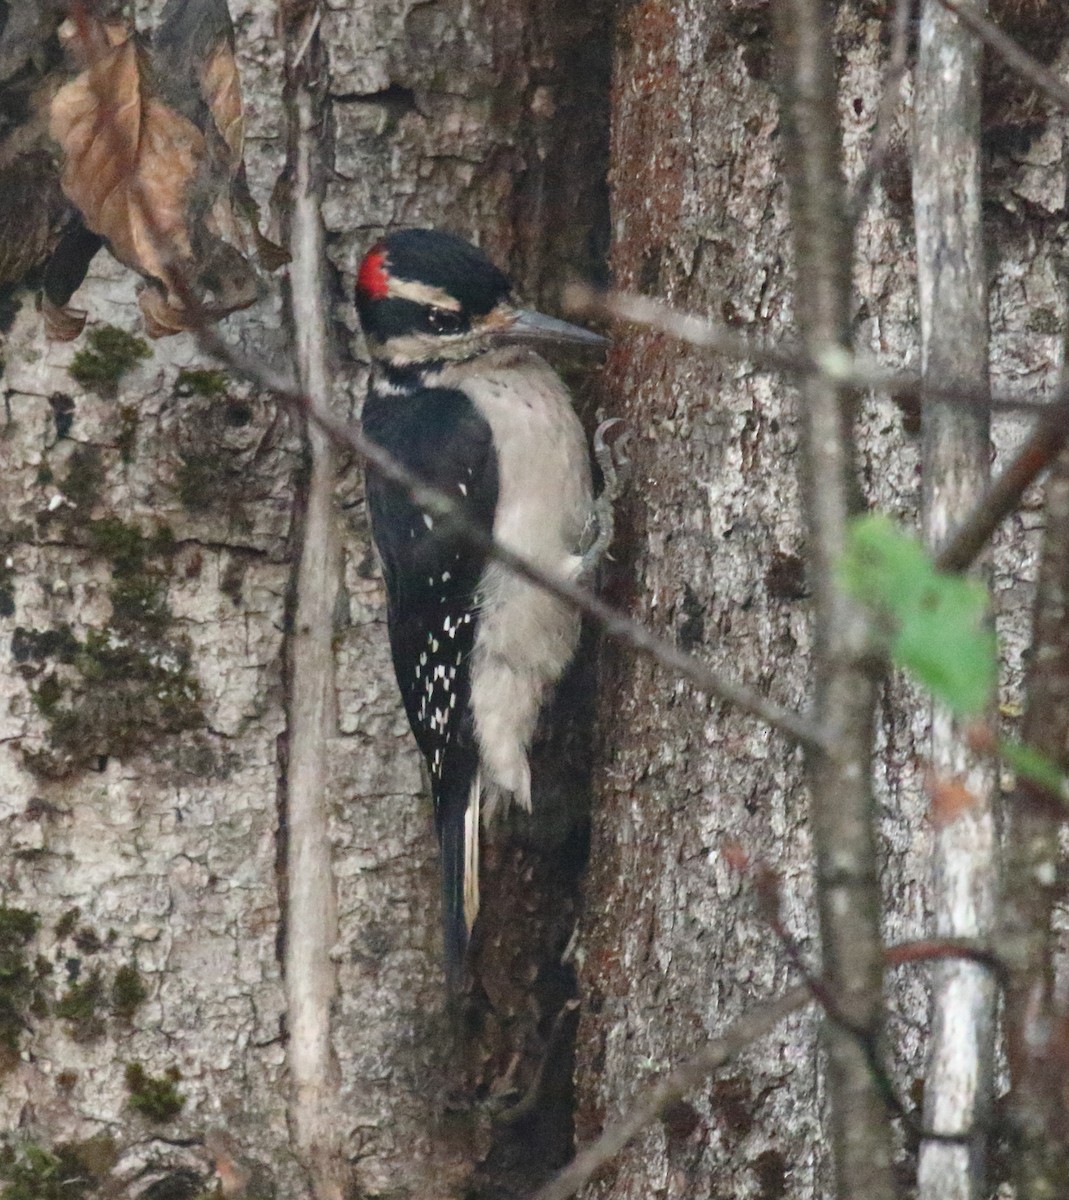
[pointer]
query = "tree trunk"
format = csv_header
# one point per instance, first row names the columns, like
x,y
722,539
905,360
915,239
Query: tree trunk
x,y
149,544
674,944
145,803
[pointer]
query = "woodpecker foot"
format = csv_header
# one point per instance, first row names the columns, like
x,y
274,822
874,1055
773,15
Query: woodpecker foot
x,y
610,452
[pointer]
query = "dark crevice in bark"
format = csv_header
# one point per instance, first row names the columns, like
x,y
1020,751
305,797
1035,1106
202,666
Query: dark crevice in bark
x,y
522,1017
561,206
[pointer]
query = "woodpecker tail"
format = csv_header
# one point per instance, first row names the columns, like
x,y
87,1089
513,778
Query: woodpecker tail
x,y
458,835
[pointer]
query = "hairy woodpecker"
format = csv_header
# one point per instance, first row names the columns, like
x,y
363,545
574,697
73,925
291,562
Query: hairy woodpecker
x,y
457,397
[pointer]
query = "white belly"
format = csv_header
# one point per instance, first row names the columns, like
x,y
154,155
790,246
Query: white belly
x,y
526,637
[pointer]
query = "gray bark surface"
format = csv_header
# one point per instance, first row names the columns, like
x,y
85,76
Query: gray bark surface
x,y
672,945
171,845
166,832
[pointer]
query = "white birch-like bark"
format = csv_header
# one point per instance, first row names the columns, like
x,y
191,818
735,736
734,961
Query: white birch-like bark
x,y
953,303
311,915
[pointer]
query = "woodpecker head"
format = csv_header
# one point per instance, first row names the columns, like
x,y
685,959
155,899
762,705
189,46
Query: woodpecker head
x,y
428,297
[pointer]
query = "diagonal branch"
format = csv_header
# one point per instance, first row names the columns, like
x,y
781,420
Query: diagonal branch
x,y
1010,52
796,726
742,1033
732,1042
1040,449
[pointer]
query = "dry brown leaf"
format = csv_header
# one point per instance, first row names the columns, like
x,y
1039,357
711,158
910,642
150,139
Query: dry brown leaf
x,y
161,317
86,39
220,86
62,323
128,161
950,799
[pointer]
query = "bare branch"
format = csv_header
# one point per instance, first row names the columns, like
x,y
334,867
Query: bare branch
x,y
974,950
1040,449
700,332
952,285
311,913
735,1039
1035,1029
1010,52
977,527
840,780
839,365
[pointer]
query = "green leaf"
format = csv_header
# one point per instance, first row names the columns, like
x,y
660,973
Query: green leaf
x,y
936,622
1034,765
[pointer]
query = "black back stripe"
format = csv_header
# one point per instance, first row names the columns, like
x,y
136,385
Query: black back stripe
x,y
432,577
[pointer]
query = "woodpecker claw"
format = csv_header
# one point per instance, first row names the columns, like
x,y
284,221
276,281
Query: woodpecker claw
x,y
610,452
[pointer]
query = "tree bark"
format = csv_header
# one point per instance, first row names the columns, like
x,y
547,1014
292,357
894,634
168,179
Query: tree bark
x,y
952,286
153,802
673,947
171,839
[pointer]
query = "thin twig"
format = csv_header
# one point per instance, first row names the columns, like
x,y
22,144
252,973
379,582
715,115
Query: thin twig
x,y
703,334
1040,449
911,952
844,673
1038,452
733,1041
838,364
974,950
1010,52
1031,895
311,911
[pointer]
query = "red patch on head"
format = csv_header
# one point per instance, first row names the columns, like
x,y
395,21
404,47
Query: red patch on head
x,y
373,280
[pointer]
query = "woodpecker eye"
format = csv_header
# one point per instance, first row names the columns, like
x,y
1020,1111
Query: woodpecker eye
x,y
444,320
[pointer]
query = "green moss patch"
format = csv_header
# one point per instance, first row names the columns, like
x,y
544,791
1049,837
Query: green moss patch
x,y
128,992
212,385
82,1007
10,537
119,688
127,438
69,1171
85,478
21,980
155,1097
108,355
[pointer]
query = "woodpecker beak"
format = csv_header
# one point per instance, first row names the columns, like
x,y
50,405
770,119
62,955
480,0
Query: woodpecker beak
x,y
529,326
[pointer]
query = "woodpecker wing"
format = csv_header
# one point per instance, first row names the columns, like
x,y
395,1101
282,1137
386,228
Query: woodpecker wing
x,y
432,580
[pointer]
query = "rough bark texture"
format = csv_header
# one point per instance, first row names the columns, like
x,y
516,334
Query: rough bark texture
x,y
167,830
160,822
1035,1020
844,674
673,945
